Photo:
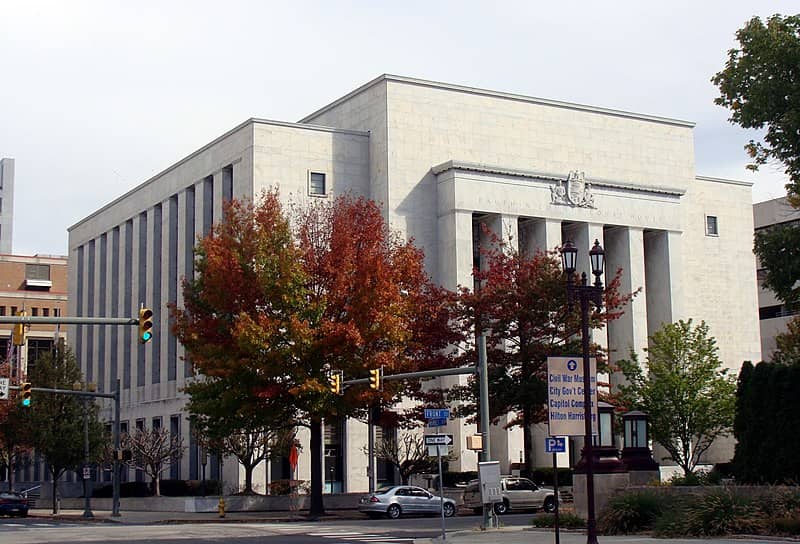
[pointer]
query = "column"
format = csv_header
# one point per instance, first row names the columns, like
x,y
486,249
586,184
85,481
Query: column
x,y
218,180
540,235
455,268
625,250
662,257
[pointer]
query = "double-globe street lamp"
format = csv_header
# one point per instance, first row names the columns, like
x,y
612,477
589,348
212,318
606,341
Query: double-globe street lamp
x,y
586,294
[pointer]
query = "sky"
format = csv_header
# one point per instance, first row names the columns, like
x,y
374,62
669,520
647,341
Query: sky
x,y
97,97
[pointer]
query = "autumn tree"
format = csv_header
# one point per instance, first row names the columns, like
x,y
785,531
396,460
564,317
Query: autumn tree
x,y
683,387
787,349
760,85
521,303
286,303
152,451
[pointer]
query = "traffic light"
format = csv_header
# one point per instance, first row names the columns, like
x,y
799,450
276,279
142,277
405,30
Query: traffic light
x,y
376,378
336,381
18,334
145,325
25,387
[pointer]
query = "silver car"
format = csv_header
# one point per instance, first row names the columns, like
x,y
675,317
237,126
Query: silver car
x,y
518,494
397,500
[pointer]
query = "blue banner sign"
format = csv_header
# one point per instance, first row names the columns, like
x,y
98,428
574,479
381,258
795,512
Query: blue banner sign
x,y
438,422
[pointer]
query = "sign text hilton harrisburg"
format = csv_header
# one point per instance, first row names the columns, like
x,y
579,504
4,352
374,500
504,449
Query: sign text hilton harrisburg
x,y
565,404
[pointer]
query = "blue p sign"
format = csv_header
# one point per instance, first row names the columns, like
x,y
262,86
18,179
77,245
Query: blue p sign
x,y
555,444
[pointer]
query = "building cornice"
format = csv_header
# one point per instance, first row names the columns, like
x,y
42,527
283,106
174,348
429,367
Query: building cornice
x,y
498,94
547,176
725,180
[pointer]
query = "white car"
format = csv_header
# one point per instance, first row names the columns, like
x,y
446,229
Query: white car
x,y
518,494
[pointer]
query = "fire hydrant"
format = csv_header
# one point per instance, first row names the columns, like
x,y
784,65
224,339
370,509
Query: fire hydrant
x,y
221,507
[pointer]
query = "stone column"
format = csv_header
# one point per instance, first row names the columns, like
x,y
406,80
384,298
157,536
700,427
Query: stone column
x,y
540,234
455,268
625,250
662,267
218,180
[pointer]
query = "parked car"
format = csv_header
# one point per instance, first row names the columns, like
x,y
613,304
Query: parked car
x,y
517,493
397,500
12,503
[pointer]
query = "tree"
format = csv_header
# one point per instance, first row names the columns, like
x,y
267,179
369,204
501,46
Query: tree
x,y
14,435
153,451
228,420
778,251
787,351
760,85
688,395
284,307
55,421
522,304
407,452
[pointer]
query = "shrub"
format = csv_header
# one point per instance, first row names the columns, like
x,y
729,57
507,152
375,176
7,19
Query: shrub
x,y
723,512
786,526
566,520
632,512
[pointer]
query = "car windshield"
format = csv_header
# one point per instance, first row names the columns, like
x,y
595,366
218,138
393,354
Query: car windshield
x,y
383,490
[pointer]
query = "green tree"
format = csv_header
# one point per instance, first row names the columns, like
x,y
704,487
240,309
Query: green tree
x,y
229,419
760,85
787,350
778,251
55,421
684,388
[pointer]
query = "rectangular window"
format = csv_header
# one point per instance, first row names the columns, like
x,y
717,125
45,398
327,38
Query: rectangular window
x,y
2,310
712,228
316,184
157,423
37,272
34,312
45,312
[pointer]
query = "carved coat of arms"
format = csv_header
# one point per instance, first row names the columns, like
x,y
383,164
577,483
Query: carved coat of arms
x,y
575,191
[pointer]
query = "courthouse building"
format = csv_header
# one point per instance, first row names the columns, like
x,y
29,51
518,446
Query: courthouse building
x,y
441,159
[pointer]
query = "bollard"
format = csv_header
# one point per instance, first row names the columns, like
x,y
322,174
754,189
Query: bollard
x,y
221,507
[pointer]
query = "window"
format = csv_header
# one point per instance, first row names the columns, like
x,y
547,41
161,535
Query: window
x,y
37,276
45,312
2,310
712,228
316,184
34,312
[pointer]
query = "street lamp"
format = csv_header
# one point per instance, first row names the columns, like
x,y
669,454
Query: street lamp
x,y
586,294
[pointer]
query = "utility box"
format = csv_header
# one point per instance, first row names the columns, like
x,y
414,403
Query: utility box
x,y
475,442
489,476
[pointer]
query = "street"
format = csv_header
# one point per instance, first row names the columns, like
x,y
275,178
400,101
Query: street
x,y
34,530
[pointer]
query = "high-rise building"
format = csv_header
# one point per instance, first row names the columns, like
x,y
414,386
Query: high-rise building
x,y
6,204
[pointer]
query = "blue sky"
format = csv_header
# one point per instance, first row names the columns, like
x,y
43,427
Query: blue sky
x,y
96,97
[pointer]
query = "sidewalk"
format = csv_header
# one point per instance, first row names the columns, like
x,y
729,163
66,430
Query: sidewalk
x,y
150,518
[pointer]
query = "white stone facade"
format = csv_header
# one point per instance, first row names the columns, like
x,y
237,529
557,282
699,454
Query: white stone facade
x,y
438,158
6,205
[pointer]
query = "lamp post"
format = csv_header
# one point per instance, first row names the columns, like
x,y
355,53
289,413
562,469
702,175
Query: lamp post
x,y
586,294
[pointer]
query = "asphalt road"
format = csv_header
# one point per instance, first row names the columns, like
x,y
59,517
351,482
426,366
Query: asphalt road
x,y
383,531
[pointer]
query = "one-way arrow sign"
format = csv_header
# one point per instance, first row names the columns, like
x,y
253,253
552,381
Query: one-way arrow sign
x,y
438,439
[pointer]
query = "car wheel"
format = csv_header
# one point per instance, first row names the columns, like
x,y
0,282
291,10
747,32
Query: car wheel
x,y
501,508
549,504
449,510
393,511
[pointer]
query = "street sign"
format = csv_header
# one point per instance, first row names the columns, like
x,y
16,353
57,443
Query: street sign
x,y
555,444
437,413
565,404
3,388
436,422
438,439
434,451
87,473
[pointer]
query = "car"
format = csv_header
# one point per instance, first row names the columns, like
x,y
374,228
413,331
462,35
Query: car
x,y
13,503
398,500
518,494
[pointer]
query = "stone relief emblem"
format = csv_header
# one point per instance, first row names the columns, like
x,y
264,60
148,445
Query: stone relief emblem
x,y
575,191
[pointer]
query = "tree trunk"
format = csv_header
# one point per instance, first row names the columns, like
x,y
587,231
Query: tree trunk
x,y
248,479
527,441
317,506
55,492
10,470
157,483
